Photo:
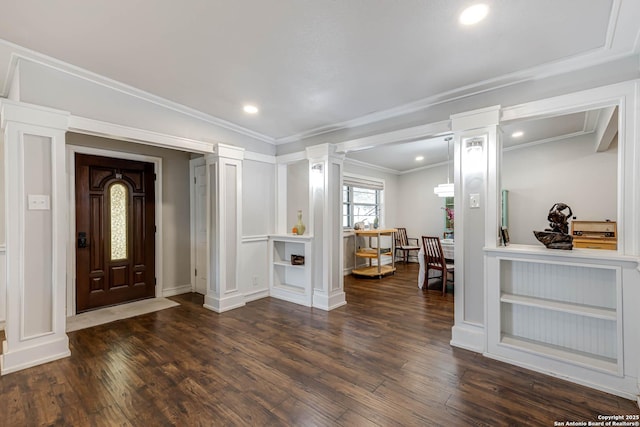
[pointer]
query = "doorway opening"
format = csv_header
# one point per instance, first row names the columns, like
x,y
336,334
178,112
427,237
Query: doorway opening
x,y
115,231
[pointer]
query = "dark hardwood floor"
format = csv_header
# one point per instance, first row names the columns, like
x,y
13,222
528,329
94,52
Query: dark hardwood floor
x,y
383,359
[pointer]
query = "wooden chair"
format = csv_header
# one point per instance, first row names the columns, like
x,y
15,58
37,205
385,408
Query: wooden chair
x,y
403,243
434,260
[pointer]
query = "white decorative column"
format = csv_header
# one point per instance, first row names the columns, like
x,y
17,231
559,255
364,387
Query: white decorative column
x,y
36,229
224,223
325,182
476,207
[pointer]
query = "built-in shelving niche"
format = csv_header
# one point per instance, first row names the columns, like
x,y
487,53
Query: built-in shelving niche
x,y
288,281
565,312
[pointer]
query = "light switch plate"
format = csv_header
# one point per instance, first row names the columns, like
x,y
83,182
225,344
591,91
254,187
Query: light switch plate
x,y
38,202
474,201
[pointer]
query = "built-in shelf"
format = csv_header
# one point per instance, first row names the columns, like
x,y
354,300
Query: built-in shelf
x,y
560,353
565,307
287,281
558,311
288,264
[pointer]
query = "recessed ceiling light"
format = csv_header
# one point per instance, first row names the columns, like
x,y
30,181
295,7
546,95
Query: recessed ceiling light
x,y
474,14
251,109
419,158
517,134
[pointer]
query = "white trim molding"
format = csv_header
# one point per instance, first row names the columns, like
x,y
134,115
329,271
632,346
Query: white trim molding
x,y
140,136
469,336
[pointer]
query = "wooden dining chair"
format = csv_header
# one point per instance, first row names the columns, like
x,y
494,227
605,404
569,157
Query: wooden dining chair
x,y
434,260
403,243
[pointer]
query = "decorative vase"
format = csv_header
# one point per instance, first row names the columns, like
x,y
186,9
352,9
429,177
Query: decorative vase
x,y
300,225
375,223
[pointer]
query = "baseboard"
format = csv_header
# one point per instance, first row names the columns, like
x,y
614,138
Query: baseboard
x,y
256,295
45,351
467,336
169,292
618,386
220,305
328,303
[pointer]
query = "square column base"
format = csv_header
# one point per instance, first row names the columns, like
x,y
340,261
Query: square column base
x,y
328,303
46,351
220,305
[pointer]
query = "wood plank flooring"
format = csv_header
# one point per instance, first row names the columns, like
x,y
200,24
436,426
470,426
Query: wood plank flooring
x,y
383,359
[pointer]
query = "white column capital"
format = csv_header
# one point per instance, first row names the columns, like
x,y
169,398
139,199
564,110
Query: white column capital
x,y
475,119
225,151
321,152
35,115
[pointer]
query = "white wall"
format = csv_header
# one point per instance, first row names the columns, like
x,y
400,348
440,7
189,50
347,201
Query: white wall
x,y
258,198
421,211
298,194
568,171
175,203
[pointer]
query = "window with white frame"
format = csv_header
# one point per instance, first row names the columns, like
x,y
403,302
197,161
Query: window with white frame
x,y
361,200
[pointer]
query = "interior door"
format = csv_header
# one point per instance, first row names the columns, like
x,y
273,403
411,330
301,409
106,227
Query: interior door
x,y
201,229
115,230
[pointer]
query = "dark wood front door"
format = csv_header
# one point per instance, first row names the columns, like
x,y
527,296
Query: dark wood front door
x,y
115,231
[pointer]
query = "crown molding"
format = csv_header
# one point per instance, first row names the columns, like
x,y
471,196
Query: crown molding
x,y
23,54
560,138
354,162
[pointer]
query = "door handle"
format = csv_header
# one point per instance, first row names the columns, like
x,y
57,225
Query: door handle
x,y
82,239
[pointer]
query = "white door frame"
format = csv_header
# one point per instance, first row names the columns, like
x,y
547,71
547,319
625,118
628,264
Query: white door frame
x,y
71,150
193,163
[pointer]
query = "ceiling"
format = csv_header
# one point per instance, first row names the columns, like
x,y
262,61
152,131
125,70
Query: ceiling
x,y
316,66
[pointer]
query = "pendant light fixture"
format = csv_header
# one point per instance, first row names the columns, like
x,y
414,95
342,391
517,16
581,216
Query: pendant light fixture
x,y
445,190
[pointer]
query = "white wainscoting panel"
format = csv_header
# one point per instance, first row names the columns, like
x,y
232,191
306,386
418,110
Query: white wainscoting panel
x,y
254,267
3,287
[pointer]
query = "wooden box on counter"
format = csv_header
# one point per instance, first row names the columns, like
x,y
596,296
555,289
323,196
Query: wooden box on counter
x,y
595,234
